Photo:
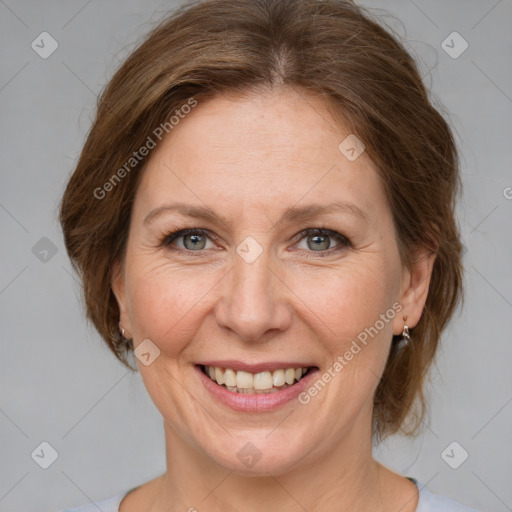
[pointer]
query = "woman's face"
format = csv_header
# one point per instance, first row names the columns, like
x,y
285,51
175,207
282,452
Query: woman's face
x,y
254,291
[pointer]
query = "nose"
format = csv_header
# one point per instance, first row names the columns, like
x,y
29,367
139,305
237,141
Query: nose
x,y
253,301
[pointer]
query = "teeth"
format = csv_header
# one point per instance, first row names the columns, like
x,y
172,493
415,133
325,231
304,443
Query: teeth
x,y
278,378
263,380
230,378
244,380
249,383
219,377
289,375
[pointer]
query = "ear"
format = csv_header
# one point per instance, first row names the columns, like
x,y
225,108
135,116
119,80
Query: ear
x,y
117,283
414,290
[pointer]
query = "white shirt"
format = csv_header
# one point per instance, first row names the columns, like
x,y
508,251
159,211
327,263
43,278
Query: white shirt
x,y
427,502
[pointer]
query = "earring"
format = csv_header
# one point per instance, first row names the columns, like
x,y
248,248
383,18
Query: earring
x,y
406,339
123,339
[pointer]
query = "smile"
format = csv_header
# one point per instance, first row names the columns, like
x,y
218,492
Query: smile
x,y
255,388
255,383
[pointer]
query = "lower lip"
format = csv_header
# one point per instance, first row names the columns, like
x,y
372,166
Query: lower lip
x,y
257,402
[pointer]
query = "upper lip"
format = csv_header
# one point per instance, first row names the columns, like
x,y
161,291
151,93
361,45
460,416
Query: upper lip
x,y
256,367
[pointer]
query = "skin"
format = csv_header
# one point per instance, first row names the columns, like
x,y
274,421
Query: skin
x,y
248,159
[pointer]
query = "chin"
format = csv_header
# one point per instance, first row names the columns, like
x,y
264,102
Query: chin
x,y
272,453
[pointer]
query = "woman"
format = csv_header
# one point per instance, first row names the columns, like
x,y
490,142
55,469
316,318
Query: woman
x,y
263,215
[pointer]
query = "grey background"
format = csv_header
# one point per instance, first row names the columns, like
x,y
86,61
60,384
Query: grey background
x,y
59,384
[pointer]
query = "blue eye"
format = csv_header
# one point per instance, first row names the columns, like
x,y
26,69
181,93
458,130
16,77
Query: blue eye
x,y
317,239
193,239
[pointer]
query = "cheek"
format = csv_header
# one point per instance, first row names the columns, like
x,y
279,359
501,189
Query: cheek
x,y
165,304
347,300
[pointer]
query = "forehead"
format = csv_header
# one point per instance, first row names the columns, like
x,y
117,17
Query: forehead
x,y
260,151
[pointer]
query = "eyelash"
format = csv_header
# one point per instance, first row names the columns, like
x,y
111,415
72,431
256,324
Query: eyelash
x,y
344,241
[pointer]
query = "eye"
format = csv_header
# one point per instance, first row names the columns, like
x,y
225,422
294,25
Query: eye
x,y
192,239
319,240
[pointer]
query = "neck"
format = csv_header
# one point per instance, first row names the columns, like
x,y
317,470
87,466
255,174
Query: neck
x,y
344,478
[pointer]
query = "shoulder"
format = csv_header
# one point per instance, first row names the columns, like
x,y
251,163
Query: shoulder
x,y
430,502
106,505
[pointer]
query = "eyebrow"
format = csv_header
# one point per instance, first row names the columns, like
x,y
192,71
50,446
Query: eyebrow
x,y
293,213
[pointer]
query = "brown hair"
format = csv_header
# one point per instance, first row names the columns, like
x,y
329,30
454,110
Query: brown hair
x,y
331,48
